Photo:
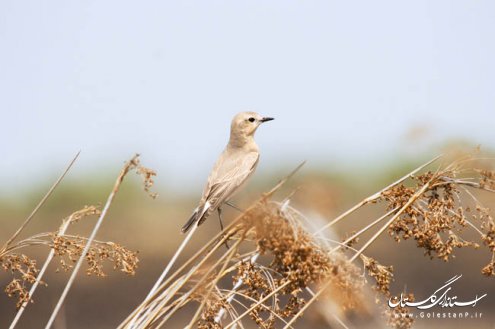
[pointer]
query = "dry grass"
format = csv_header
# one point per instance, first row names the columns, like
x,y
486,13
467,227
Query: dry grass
x,y
277,266
70,250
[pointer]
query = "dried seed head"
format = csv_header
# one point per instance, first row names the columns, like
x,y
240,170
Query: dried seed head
x,y
433,218
84,212
24,271
71,248
383,275
487,179
296,254
488,239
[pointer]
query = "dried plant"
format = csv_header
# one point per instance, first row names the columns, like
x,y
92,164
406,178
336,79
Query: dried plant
x,y
24,272
70,249
383,275
278,268
438,216
72,246
270,281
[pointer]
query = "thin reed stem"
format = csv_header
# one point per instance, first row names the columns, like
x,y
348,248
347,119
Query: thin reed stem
x,y
307,304
169,294
367,227
130,164
262,300
214,282
48,260
148,301
40,204
172,261
190,292
376,195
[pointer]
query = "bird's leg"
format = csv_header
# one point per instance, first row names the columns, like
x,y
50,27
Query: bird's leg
x,y
221,225
220,218
230,204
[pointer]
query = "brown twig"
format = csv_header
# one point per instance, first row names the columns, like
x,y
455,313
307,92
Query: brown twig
x,y
40,204
128,166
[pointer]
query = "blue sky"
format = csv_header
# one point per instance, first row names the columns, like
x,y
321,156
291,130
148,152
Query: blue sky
x,y
346,81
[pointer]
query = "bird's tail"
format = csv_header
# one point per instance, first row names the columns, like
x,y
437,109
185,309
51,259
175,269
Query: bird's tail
x,y
199,215
190,222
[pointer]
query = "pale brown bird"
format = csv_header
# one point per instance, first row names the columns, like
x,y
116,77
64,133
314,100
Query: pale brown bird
x,y
234,166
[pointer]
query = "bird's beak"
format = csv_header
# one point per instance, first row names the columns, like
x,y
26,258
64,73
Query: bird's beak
x,y
266,119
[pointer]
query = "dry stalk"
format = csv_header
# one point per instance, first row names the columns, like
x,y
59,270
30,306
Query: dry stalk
x,y
130,165
198,285
39,205
376,195
61,231
220,274
66,247
149,304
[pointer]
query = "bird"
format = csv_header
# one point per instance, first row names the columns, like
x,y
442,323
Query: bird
x,y
235,165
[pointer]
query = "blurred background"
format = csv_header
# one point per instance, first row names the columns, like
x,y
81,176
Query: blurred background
x,y
364,91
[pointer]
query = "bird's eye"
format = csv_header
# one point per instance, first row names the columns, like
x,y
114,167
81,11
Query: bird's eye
x,y
251,119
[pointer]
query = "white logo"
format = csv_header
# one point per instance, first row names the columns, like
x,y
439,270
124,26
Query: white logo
x,y
440,297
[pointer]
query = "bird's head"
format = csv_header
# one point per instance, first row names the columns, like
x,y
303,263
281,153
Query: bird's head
x,y
245,124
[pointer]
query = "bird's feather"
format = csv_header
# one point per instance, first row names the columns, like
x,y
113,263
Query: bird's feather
x,y
190,221
226,178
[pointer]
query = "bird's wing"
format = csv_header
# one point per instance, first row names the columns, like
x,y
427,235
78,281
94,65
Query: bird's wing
x,y
227,176
232,174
